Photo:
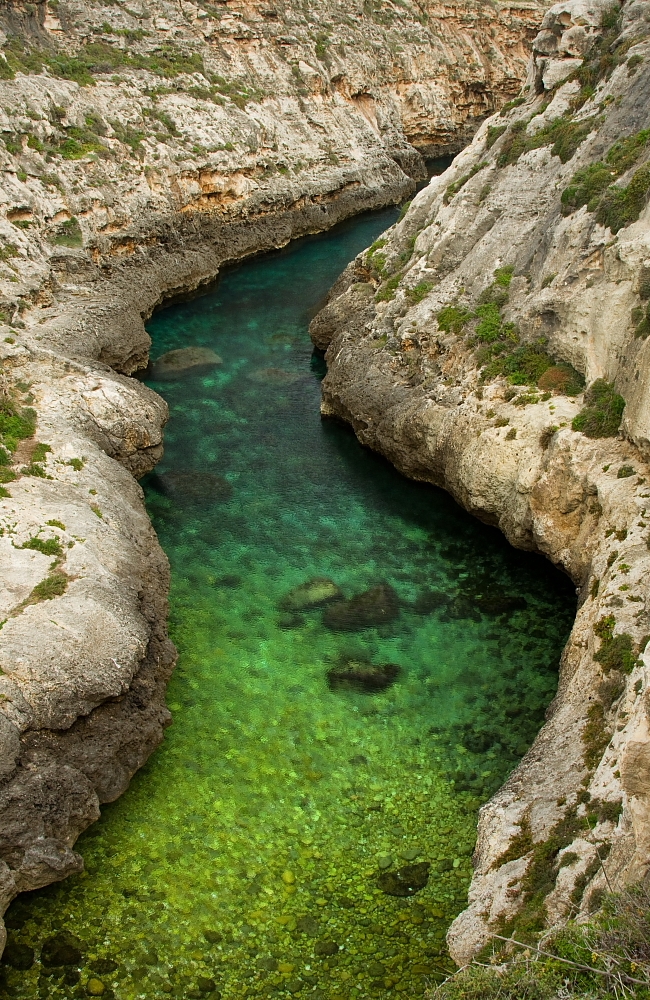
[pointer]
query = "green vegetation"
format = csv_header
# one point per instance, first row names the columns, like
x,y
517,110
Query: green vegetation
x,y
403,210
420,291
322,44
48,546
388,289
510,105
522,365
595,736
167,60
69,234
562,134
52,586
616,652
454,188
592,186
602,413
603,58
494,132
604,958
15,424
452,319
633,64
625,472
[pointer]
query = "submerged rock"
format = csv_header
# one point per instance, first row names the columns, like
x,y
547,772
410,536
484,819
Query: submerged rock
x,y
325,948
185,361
313,593
61,949
17,955
428,601
501,604
362,675
405,881
376,606
192,486
273,376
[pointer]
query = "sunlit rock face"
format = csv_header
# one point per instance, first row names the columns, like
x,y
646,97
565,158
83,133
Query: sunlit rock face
x,y
495,342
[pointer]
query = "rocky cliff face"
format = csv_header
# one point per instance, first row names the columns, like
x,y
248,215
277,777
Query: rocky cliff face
x,y
459,346
144,144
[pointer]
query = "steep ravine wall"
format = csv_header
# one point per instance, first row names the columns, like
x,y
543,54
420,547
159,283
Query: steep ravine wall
x,y
143,146
459,346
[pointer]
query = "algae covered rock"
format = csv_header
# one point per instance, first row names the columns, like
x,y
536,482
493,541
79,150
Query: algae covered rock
x,y
61,949
373,607
313,593
18,955
405,881
362,675
185,361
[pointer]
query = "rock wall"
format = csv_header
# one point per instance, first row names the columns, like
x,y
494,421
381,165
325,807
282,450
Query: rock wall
x,y
144,144
459,346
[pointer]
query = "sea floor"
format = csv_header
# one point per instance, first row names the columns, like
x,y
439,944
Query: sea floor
x,y
256,853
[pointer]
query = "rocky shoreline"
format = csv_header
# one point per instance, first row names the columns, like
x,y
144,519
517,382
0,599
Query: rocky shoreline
x,y
459,346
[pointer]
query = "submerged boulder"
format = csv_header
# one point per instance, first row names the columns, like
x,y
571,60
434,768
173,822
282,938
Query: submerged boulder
x,y
192,486
61,949
185,361
376,606
311,594
362,675
501,604
405,881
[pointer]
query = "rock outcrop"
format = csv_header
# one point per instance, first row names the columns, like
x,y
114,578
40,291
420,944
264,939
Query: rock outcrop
x,y
459,346
143,145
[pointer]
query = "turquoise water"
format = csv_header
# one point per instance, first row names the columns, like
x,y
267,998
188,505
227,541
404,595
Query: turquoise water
x,y
251,855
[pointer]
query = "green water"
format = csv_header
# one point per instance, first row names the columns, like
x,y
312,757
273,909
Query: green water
x,y
244,859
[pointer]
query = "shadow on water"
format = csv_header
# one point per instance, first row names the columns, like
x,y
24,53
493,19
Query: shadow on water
x,y
361,665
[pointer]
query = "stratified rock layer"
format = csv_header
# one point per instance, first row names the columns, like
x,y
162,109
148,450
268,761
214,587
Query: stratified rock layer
x,y
144,144
511,266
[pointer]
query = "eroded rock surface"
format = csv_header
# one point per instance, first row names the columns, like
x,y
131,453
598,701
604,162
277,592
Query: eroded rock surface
x,y
459,346
144,144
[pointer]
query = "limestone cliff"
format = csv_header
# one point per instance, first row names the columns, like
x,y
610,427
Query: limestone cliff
x,y
143,144
460,346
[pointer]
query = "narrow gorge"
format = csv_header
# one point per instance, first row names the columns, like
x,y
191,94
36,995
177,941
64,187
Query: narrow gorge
x,y
490,342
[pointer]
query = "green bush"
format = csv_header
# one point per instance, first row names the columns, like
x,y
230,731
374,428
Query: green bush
x,y
603,411
522,366
494,132
619,207
15,424
563,379
451,319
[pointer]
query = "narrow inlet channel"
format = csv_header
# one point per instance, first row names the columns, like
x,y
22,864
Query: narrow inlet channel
x,y
316,750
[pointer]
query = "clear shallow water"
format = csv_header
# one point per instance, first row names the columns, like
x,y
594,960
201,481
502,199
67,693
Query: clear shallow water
x,y
244,860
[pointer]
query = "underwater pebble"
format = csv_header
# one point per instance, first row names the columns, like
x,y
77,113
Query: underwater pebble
x,y
410,854
95,987
385,860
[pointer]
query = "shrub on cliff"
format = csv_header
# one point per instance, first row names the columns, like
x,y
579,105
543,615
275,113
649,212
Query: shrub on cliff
x,y
592,186
603,411
607,957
